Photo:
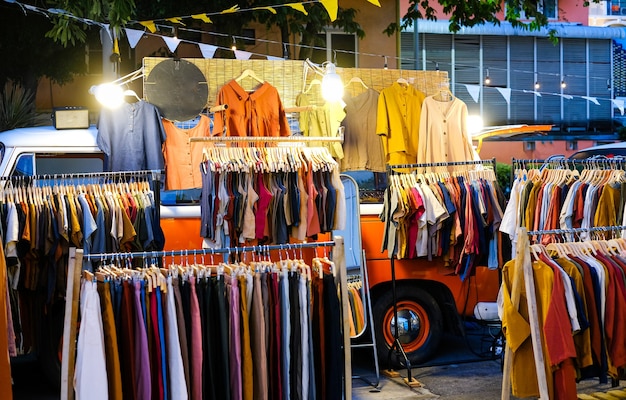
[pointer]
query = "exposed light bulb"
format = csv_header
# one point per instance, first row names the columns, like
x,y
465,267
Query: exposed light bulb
x,y
487,78
234,46
563,84
332,86
385,66
537,85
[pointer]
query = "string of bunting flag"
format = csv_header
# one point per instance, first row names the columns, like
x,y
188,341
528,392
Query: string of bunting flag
x,y
208,50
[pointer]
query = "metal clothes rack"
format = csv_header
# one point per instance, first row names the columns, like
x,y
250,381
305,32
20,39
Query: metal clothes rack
x,y
69,178
73,291
523,267
397,346
267,139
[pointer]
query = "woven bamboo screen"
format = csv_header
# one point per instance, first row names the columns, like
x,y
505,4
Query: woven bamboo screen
x,y
288,77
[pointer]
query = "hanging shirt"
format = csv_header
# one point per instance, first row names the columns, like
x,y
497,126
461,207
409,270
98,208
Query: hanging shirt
x,y
323,121
397,122
443,135
363,149
259,113
182,157
131,137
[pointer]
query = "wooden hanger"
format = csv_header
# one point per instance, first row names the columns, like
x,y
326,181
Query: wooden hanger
x,y
248,73
356,79
313,82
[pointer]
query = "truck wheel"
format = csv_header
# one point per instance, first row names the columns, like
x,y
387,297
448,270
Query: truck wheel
x,y
420,324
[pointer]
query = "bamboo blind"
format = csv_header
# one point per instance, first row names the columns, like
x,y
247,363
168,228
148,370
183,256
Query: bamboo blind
x,y
288,77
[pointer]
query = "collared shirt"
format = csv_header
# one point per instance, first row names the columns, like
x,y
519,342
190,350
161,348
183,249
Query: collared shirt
x,y
259,113
131,137
398,118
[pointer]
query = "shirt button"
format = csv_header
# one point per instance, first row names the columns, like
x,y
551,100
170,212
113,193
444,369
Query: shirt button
x,y
444,121
444,133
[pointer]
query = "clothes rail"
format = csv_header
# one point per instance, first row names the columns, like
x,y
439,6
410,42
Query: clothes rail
x,y
267,139
577,230
155,174
562,161
397,345
201,252
74,282
393,167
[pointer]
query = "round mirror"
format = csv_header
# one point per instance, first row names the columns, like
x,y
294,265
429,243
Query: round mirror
x,y
178,88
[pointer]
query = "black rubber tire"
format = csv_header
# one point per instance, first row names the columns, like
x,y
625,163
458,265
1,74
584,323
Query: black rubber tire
x,y
424,346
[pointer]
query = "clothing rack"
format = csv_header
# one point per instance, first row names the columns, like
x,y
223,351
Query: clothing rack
x,y
73,289
397,346
267,139
155,175
523,265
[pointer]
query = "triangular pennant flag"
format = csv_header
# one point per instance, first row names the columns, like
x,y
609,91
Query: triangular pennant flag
x,y
506,93
176,20
133,35
567,96
207,50
375,2
108,30
298,7
171,42
242,55
274,58
474,91
533,92
331,7
619,104
594,100
233,9
149,24
270,9
203,18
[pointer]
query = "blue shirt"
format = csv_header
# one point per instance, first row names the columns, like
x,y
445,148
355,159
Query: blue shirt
x,y
131,137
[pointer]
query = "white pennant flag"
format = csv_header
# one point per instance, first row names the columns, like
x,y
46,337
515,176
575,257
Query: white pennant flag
x,y
242,55
133,35
594,100
171,42
506,93
207,50
533,92
474,91
274,58
619,104
567,96
107,28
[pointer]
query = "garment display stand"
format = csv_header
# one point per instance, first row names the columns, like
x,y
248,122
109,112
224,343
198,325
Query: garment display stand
x,y
73,288
397,345
523,275
87,178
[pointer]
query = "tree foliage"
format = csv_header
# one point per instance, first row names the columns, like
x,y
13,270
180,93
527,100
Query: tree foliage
x,y
30,55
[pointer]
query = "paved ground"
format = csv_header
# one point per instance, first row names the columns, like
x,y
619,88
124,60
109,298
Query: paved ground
x,y
457,373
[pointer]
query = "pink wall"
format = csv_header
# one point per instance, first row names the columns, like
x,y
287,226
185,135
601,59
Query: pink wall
x,y
569,11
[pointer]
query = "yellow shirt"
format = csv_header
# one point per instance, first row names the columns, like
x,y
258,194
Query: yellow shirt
x,y
608,204
398,121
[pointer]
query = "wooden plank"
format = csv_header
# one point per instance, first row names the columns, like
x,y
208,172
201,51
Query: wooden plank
x,y
72,306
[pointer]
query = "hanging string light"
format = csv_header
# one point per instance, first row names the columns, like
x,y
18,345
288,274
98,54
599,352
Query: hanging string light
x,y
385,66
563,84
487,78
537,85
234,46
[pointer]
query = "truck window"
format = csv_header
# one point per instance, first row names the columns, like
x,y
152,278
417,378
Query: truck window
x,y
371,185
29,164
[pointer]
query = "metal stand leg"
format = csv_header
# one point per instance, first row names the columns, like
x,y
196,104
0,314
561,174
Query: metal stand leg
x,y
397,346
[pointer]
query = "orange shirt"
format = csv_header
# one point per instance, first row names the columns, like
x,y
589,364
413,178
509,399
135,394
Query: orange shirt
x,y
183,158
259,113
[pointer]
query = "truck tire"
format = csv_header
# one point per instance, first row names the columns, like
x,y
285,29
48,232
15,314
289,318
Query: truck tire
x,y
420,330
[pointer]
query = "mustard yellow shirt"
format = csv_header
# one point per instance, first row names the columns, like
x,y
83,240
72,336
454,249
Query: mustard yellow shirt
x,y
398,122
